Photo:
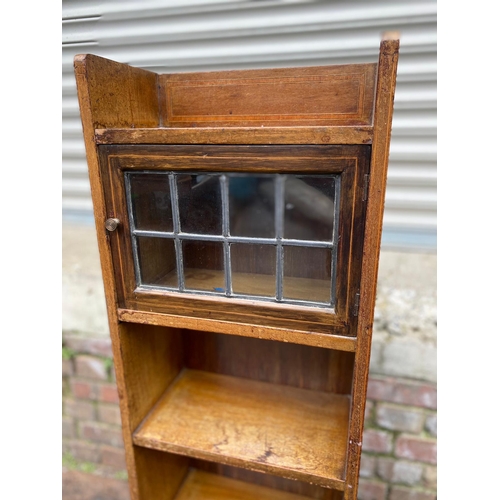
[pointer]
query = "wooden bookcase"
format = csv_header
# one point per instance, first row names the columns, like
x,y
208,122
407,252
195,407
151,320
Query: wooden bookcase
x,y
239,218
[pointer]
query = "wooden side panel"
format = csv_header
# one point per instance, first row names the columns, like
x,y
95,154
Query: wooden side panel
x,y
386,85
159,474
339,95
112,95
152,357
268,361
119,95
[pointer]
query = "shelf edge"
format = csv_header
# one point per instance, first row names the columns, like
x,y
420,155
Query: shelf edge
x,y
329,341
237,135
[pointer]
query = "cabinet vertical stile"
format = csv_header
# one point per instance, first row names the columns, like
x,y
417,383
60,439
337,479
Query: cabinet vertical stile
x,y
238,216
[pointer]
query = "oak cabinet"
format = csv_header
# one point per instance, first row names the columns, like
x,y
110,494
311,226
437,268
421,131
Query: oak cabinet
x,y
239,216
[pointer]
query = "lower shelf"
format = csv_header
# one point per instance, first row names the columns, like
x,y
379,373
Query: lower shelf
x,y
286,431
201,485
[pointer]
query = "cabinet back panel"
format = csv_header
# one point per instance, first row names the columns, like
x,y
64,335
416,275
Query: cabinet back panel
x,y
268,480
284,363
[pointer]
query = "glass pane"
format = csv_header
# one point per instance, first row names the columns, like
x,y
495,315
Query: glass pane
x,y
151,205
253,269
204,265
157,261
309,207
200,203
251,206
307,273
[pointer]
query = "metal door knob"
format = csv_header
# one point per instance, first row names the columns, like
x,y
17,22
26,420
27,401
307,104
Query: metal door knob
x,y
111,224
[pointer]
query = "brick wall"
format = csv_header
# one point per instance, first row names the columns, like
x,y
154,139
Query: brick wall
x,y
399,445
91,416
399,442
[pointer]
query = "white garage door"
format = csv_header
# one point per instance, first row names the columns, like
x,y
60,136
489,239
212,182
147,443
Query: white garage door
x,y
204,35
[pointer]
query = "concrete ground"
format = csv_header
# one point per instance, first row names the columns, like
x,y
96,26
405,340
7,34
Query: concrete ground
x,y
78,485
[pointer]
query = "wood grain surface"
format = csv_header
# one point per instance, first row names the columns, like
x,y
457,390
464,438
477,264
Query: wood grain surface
x,y
341,95
201,485
386,86
237,135
293,432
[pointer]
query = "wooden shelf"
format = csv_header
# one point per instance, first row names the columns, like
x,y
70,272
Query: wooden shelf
x,y
286,431
314,290
201,485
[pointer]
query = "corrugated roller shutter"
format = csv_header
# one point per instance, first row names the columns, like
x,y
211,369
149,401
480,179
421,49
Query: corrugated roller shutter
x,y
180,36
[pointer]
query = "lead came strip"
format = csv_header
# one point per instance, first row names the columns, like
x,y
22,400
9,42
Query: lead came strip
x,y
225,232
133,237
336,215
177,228
279,222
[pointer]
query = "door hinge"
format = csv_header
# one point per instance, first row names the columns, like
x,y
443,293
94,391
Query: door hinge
x,y
365,187
356,304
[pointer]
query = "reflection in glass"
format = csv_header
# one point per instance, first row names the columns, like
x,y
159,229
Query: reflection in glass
x,y
253,269
203,265
307,273
251,205
199,203
150,194
309,207
157,261
228,230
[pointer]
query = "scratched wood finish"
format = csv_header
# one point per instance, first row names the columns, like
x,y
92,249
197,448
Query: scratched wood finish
x,y
97,80
295,433
340,95
201,485
237,135
119,95
386,85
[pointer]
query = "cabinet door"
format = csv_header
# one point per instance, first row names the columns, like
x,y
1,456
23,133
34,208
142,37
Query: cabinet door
x,y
265,235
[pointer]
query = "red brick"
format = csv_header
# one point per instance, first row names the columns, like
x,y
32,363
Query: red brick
x,y
114,457
83,390
416,448
108,393
400,391
81,410
109,414
100,433
91,367
401,493
87,452
371,490
93,346
400,418
377,441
